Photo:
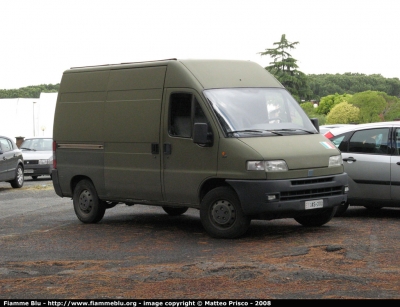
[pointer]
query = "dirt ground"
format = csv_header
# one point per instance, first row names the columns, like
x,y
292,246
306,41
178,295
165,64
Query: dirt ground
x,y
140,252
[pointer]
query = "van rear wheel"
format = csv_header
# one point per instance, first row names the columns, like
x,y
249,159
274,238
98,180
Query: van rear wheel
x,y
175,211
88,208
221,214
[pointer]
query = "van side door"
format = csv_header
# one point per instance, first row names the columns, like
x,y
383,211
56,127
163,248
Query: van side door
x,y
132,133
185,164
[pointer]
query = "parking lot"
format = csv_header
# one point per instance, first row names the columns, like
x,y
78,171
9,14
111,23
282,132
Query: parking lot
x,y
140,252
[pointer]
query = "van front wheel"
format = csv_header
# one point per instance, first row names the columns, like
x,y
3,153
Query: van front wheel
x,y
88,208
221,214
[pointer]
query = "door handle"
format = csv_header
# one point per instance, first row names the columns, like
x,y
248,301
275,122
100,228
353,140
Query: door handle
x,y
349,159
154,149
167,149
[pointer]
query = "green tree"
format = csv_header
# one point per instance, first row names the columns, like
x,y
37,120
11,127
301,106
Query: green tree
x,y
343,113
310,110
351,83
284,68
392,109
372,105
328,102
30,91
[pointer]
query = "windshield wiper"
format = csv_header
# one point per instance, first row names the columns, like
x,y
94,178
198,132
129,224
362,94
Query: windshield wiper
x,y
28,148
274,132
297,129
246,131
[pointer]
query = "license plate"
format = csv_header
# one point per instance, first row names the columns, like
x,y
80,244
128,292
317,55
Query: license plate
x,y
313,204
28,171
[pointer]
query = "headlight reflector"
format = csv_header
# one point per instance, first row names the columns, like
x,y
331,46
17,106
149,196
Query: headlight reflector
x,y
268,166
276,166
335,161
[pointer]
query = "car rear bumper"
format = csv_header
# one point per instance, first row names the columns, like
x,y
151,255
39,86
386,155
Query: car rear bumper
x,y
37,170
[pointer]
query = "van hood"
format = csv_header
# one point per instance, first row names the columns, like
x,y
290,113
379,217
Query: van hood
x,y
299,151
36,155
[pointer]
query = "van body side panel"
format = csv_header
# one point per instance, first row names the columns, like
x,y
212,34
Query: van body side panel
x,y
79,128
132,120
77,161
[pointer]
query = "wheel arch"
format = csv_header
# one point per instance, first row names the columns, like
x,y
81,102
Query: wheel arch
x,y
76,179
211,184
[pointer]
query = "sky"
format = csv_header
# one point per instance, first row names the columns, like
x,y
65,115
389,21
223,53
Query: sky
x,y
42,38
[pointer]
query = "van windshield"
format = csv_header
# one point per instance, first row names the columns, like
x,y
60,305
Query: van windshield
x,y
258,112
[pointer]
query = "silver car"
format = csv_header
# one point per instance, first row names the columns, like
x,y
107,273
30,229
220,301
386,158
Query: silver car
x,y
371,160
38,156
11,163
325,128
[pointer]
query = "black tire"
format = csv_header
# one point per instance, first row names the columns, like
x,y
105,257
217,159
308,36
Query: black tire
x,y
88,208
18,181
316,220
175,211
342,209
34,177
221,214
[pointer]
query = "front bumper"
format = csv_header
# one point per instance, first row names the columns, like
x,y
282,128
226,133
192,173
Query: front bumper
x,y
287,198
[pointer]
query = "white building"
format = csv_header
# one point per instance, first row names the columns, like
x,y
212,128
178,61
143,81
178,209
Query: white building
x,y
27,117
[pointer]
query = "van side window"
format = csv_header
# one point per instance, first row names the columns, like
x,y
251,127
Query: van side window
x,y
184,112
180,115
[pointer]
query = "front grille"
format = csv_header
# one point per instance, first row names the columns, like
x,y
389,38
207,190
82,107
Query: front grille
x,y
311,193
29,162
311,181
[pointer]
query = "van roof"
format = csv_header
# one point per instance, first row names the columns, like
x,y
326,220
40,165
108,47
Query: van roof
x,y
210,73
124,64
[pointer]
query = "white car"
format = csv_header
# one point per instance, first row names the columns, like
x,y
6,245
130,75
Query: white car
x,y
38,156
371,159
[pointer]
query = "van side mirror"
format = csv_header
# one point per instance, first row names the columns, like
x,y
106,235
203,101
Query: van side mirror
x,y
200,134
315,122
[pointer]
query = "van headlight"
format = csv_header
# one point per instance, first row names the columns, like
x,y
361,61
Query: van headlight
x,y
335,161
268,166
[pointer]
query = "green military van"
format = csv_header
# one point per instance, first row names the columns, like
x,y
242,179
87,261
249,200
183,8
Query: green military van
x,y
221,136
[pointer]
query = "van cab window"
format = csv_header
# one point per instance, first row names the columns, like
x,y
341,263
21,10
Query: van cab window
x,y
184,112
